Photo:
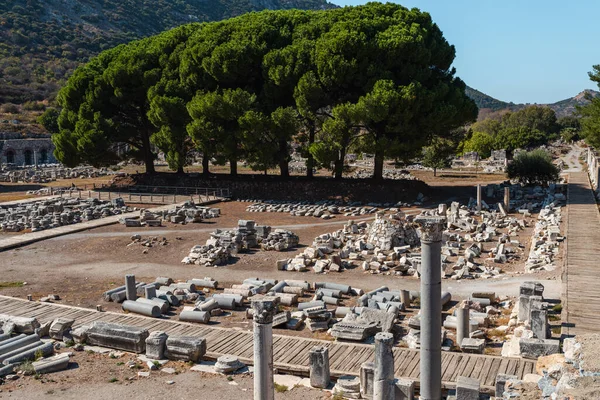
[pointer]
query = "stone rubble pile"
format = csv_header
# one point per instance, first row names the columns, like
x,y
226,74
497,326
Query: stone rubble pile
x,y
224,244
570,374
189,213
323,210
531,337
21,342
378,247
280,240
209,255
48,214
394,174
545,240
51,173
138,240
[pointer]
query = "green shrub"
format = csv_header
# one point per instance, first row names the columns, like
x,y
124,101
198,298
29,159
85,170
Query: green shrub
x,y
533,168
280,388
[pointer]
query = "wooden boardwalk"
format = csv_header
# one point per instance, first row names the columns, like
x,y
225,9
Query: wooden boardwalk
x,y
581,275
290,353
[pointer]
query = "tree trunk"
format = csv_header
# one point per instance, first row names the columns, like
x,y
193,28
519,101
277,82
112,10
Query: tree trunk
x,y
339,164
205,165
310,161
233,166
180,170
284,164
434,171
148,156
378,165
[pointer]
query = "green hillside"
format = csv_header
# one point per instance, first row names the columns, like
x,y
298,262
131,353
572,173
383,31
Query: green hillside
x,y
41,42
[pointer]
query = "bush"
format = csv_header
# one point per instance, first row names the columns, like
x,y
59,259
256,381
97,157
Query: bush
x,y
10,108
534,167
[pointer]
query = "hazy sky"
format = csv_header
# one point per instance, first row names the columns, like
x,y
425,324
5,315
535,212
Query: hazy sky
x,y
525,51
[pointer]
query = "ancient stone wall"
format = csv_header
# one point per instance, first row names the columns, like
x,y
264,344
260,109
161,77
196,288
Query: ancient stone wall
x,y
22,152
593,167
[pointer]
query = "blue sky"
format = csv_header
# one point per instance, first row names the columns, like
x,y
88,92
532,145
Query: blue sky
x,y
525,51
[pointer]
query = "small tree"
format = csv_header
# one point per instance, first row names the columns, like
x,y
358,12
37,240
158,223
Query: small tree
x,y
49,120
438,154
534,167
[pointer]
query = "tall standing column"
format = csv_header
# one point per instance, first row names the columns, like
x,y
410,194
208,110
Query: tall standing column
x,y
130,289
479,197
507,199
430,232
384,387
264,310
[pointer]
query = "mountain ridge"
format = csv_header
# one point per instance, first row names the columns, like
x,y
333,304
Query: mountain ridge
x,y
562,108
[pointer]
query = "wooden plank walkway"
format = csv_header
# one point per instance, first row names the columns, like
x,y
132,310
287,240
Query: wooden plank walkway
x,y
581,277
290,352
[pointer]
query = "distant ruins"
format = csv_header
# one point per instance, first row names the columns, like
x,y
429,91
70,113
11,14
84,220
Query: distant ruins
x,y
19,150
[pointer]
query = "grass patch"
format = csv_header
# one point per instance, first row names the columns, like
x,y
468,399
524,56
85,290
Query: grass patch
x,y
338,396
280,388
70,343
27,368
496,333
120,363
229,378
557,308
489,352
39,355
556,330
553,317
4,285
156,364
113,380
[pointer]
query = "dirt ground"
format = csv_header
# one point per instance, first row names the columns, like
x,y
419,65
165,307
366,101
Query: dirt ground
x,y
94,261
93,376
80,267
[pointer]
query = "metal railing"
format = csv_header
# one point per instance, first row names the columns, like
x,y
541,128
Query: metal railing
x,y
140,198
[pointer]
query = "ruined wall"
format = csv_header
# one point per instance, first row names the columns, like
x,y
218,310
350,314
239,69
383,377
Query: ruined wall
x,y
593,167
22,152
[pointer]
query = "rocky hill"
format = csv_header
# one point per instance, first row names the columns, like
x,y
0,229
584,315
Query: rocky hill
x,y
562,108
42,41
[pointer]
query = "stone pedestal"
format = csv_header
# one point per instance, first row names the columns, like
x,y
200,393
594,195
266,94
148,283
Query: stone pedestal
x,y
150,291
539,323
130,289
462,324
405,297
383,382
319,367
467,388
431,230
264,310
367,374
405,389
